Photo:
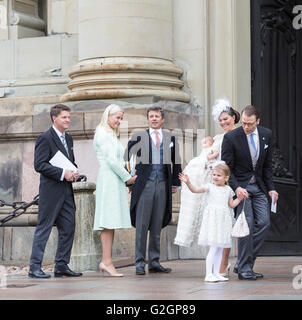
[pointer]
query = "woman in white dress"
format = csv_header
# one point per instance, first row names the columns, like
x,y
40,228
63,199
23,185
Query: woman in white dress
x,y
192,204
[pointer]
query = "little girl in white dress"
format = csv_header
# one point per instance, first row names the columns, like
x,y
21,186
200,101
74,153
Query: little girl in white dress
x,y
199,170
217,219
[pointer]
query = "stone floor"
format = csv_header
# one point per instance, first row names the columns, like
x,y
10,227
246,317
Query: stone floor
x,y
282,281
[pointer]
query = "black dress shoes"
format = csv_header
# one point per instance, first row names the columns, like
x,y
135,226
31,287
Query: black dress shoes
x,y
38,274
247,276
258,275
160,268
61,272
140,271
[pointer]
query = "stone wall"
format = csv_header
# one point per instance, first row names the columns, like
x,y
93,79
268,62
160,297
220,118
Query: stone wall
x,y
37,66
18,133
18,180
200,52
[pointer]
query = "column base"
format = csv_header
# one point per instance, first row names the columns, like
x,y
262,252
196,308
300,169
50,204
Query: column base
x,y
84,262
124,77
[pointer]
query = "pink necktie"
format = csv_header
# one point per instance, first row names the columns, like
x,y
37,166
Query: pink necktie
x,y
157,139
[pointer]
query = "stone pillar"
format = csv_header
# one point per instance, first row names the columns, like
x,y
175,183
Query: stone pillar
x,y
125,50
229,52
86,251
190,45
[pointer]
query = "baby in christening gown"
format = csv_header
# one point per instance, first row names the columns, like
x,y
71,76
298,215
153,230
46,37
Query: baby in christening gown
x,y
199,170
209,153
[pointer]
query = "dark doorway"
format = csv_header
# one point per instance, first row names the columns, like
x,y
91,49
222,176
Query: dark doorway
x,y
277,91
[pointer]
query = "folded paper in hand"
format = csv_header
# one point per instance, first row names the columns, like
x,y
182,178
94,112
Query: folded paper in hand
x,y
132,163
273,205
60,161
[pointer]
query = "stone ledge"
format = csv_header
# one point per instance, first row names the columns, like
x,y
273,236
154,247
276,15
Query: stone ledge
x,y
29,218
86,115
24,106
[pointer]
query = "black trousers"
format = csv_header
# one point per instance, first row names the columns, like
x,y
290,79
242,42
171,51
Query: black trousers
x,y
150,211
258,218
64,218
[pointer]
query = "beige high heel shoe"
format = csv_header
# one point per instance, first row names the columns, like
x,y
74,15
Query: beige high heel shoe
x,y
104,268
227,271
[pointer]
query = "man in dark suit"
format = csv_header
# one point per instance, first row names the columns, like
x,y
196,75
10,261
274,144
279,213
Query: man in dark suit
x,y
248,152
157,168
56,200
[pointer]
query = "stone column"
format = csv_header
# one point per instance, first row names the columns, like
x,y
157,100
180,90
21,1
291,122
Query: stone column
x,y
190,45
125,50
230,52
86,250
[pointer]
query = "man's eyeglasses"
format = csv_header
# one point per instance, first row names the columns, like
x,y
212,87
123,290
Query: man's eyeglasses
x,y
248,124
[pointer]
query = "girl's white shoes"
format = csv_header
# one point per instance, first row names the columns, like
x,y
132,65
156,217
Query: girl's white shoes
x,y
211,278
215,278
221,278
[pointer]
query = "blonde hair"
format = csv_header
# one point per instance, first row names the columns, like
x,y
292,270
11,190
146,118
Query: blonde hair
x,y
111,109
224,168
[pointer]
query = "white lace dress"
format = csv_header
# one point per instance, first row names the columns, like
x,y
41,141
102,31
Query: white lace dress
x,y
192,204
217,218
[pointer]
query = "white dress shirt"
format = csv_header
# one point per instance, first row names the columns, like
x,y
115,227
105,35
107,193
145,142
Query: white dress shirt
x,y
153,135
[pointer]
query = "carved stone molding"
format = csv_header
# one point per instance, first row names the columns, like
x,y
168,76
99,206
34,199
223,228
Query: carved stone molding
x,y
122,77
279,166
279,18
28,21
24,20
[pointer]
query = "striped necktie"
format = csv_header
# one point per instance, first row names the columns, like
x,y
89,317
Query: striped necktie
x,y
64,143
157,139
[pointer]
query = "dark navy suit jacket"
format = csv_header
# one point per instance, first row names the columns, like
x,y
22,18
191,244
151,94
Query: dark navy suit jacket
x,y
51,189
236,153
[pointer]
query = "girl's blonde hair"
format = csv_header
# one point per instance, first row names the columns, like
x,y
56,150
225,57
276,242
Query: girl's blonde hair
x,y
224,168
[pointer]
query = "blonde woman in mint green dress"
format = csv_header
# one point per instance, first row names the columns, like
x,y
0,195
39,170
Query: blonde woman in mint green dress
x,y
112,209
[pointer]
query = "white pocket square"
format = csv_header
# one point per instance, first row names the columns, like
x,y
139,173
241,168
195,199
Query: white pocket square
x,y
171,145
265,146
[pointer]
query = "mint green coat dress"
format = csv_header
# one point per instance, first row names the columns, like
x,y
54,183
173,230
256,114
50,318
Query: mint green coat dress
x,y
112,209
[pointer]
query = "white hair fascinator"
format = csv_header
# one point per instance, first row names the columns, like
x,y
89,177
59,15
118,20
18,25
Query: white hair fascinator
x,y
220,106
